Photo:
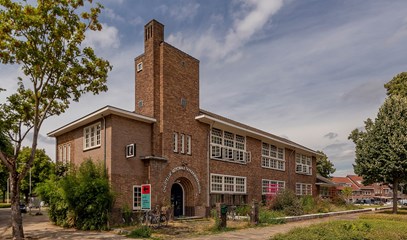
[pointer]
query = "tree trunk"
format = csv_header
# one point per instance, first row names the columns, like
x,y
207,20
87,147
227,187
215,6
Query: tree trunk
x,y
16,219
395,188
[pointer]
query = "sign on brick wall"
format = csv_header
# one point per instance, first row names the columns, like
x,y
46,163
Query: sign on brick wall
x,y
146,197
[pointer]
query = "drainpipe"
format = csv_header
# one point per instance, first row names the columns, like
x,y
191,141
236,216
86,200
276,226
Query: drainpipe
x,y
207,166
104,143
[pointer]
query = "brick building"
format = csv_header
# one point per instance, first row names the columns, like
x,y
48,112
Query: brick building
x,y
191,157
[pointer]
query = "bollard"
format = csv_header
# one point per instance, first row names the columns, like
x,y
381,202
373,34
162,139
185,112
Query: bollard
x,y
254,217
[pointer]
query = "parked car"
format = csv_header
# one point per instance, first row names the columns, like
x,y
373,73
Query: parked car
x,y
23,208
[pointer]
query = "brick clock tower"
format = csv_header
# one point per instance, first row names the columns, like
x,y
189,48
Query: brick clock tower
x,y
167,89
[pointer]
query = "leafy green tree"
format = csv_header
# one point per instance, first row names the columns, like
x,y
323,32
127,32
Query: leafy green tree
x,y
346,193
7,148
81,199
398,85
40,171
324,166
44,39
381,150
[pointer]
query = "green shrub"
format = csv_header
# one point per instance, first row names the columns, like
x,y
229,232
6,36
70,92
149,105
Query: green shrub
x,y
287,202
5,205
308,204
268,217
81,199
141,232
243,210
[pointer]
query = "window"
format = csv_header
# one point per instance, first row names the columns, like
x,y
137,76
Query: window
x,y
272,187
139,67
91,136
272,157
227,184
136,197
175,141
64,153
130,150
228,146
182,143
303,189
189,145
303,164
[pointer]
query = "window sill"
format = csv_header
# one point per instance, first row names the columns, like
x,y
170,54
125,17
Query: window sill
x,y
90,148
302,173
229,161
281,170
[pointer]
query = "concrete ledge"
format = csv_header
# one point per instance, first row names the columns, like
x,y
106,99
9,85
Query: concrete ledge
x,y
330,214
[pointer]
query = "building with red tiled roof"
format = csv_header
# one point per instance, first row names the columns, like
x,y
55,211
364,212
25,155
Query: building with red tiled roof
x,y
362,192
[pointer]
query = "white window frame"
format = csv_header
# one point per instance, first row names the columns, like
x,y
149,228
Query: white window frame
x,y
303,164
189,147
182,143
130,150
68,153
233,183
175,142
228,146
60,153
270,158
266,182
136,199
139,66
302,189
92,134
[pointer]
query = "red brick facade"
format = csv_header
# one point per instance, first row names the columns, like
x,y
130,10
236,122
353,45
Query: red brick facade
x,y
167,103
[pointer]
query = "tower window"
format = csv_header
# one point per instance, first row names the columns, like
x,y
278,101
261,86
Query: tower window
x,y
183,102
139,67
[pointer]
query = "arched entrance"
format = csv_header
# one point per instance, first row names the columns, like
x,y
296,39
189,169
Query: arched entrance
x,y
177,199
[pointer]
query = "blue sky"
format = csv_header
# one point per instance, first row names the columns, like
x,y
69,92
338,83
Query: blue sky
x,y
310,71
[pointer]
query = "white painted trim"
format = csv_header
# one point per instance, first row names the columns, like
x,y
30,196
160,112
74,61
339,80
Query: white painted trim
x,y
98,114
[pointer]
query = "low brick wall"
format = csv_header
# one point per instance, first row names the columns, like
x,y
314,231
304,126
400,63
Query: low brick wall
x,y
330,214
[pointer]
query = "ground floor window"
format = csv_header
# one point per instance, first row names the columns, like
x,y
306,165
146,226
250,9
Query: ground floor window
x,y
303,189
228,199
136,197
324,191
228,184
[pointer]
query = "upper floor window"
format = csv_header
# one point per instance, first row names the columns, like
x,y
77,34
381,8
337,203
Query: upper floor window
x,y
182,143
228,146
64,153
175,141
189,151
91,136
303,164
130,150
139,67
272,157
303,189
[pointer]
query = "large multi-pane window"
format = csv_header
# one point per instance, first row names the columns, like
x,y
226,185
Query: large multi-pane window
x,y
91,136
303,189
303,164
272,186
228,146
272,157
136,197
228,184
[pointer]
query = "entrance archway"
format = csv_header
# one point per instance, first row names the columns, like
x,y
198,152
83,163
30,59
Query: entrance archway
x,y
177,199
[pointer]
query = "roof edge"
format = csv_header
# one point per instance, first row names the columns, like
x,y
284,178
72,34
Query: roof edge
x,y
100,113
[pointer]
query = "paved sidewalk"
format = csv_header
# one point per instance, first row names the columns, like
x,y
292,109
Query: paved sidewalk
x,y
261,233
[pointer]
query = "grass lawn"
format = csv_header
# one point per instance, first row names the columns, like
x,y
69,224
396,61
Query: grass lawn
x,y
5,205
370,226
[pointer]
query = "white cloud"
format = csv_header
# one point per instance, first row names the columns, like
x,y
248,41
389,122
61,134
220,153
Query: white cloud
x,y
186,10
108,37
112,15
249,19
